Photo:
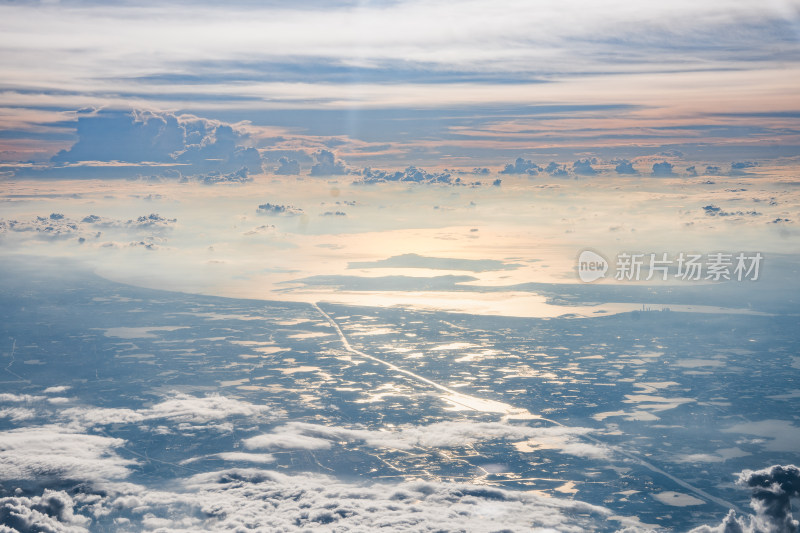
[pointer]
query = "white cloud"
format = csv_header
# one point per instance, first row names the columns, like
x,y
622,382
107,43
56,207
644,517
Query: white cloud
x,y
26,398
300,435
181,408
55,390
44,453
247,457
251,499
52,512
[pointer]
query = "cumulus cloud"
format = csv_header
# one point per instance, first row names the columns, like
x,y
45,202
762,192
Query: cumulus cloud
x,y
257,500
59,226
127,136
521,166
327,165
287,167
191,144
279,210
300,435
54,226
554,169
583,167
716,211
740,168
151,220
772,490
625,167
215,176
53,511
663,169
414,175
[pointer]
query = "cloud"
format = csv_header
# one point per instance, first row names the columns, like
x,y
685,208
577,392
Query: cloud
x,y
279,210
49,227
247,499
181,408
171,142
285,438
583,167
59,453
625,167
53,511
439,435
126,136
715,211
663,169
772,490
327,165
435,263
58,226
287,167
521,166
740,168
150,221
215,176
264,229
57,389
554,169
410,174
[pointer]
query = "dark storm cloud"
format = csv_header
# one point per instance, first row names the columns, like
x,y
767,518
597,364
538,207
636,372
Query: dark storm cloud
x,y
327,165
522,166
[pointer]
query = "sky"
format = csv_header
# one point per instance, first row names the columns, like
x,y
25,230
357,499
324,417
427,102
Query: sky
x,y
235,150
388,84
